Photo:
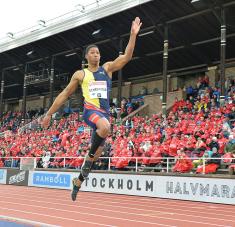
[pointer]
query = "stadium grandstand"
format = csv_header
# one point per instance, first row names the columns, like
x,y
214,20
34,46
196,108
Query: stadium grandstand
x,y
172,106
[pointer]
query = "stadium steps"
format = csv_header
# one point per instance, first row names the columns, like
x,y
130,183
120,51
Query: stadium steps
x,y
141,108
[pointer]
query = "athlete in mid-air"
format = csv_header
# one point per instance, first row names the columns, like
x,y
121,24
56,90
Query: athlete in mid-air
x,y
96,86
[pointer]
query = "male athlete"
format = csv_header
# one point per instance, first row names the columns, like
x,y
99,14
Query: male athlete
x,y
96,85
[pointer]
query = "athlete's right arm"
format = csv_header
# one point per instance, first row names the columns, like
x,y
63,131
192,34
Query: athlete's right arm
x,y
63,96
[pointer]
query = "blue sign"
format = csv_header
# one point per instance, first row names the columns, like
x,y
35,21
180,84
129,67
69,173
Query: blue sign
x,y
52,179
2,172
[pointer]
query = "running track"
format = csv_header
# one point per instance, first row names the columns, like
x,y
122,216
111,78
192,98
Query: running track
x,y
51,207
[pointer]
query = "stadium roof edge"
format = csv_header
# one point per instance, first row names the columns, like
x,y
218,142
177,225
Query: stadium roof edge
x,y
103,11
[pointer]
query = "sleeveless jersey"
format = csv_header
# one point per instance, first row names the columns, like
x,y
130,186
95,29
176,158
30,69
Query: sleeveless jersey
x,y
96,88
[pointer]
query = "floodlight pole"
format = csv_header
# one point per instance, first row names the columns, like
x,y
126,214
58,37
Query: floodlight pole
x,y
165,62
222,56
120,75
2,92
24,92
52,78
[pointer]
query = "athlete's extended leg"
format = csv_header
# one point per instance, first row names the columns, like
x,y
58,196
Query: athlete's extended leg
x,y
98,153
77,183
103,129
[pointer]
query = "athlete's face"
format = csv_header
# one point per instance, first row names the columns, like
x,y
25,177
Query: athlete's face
x,y
93,55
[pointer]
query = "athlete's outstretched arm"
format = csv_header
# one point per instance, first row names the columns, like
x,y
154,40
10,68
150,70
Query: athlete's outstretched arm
x,y
62,97
122,60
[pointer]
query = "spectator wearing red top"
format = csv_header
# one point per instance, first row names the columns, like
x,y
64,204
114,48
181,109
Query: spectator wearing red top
x,y
183,163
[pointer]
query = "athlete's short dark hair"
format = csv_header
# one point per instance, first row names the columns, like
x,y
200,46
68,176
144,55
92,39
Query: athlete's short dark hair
x,y
89,47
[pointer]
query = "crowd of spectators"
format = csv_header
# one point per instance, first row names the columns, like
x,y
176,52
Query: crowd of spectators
x,y
196,128
13,120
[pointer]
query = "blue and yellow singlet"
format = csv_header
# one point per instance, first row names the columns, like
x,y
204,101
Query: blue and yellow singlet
x,y
96,88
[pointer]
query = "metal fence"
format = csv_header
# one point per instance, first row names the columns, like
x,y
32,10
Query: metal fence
x,y
108,163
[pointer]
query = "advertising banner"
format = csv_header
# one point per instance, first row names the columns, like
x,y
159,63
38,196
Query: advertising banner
x,y
17,177
50,179
184,188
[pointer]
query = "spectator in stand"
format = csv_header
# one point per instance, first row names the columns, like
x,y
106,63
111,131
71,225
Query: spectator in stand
x,y
136,105
229,84
199,83
202,105
129,106
113,111
205,82
129,123
229,158
156,90
216,96
214,143
187,106
230,146
211,164
226,128
123,108
183,163
189,91
1,163
143,91
231,114
123,101
191,100
200,147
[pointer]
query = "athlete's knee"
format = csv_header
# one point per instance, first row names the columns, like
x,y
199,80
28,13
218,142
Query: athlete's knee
x,y
98,154
105,129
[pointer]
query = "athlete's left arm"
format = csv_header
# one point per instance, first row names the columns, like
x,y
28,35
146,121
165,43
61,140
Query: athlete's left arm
x,y
122,60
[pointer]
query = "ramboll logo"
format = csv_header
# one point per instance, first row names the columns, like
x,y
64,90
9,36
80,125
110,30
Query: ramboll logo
x,y
17,178
51,179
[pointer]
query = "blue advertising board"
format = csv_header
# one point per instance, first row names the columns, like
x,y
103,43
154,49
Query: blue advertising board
x,y
3,176
50,180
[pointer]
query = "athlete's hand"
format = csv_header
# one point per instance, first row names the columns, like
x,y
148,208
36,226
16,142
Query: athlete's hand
x,y
46,121
136,24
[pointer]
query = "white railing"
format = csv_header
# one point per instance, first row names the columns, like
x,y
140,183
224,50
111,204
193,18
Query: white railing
x,y
132,163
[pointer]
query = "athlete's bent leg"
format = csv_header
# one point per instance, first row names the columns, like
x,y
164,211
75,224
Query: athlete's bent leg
x,y
103,129
98,139
98,153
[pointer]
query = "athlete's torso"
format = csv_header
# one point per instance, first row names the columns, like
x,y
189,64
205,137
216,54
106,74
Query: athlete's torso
x,y
96,88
